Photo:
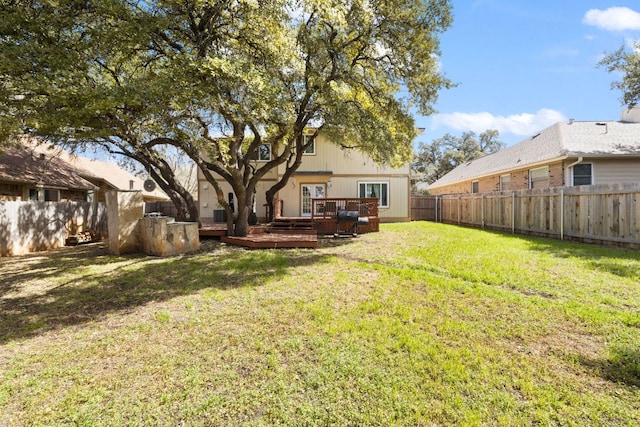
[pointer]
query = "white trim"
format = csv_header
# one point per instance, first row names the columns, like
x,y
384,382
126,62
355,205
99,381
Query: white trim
x,y
258,152
530,173
387,183
500,181
313,145
312,187
572,174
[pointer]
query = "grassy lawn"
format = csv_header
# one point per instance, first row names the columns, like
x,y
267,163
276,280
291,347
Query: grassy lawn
x,y
420,324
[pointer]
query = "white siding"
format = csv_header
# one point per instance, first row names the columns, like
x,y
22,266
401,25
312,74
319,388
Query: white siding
x,y
616,171
340,169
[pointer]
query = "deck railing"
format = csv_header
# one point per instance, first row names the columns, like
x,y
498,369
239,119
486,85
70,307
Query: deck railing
x,y
328,208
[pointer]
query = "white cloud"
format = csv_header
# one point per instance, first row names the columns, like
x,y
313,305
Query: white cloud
x,y
518,124
613,19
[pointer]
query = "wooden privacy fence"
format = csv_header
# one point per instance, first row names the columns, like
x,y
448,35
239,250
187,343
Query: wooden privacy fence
x,y
34,226
423,208
597,214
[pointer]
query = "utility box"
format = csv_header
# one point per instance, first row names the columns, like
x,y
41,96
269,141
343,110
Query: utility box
x,y
219,215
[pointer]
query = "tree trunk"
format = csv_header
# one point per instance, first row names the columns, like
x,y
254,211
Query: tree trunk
x,y
270,204
242,220
186,208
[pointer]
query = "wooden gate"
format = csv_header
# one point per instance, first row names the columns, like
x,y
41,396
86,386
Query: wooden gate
x,y
423,208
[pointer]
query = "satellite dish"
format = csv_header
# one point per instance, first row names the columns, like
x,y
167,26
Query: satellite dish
x,y
149,185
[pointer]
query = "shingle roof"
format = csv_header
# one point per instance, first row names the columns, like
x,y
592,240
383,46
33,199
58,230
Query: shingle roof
x,y
114,175
561,140
27,166
58,168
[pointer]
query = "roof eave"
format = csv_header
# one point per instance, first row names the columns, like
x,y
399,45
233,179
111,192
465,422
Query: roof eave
x,y
505,171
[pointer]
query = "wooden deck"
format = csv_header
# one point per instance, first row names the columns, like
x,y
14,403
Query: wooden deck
x,y
300,232
273,241
219,229
258,238
216,229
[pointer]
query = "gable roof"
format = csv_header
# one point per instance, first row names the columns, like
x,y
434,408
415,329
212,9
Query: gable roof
x,y
32,162
557,142
24,165
114,176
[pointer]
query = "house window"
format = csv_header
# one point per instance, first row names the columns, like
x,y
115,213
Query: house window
x,y
505,183
539,178
582,174
33,195
311,148
263,153
375,189
51,195
475,187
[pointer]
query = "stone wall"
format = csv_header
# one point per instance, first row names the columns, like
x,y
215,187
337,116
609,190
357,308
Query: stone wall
x,y
130,231
124,210
160,237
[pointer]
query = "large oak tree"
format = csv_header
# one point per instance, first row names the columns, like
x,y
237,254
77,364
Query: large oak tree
x,y
434,160
627,62
217,79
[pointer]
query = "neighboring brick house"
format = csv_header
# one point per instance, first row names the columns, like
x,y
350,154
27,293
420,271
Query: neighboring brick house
x,y
27,174
109,176
566,154
40,172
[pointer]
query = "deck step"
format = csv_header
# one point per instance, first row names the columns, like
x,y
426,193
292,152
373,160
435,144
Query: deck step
x,y
297,224
292,231
291,227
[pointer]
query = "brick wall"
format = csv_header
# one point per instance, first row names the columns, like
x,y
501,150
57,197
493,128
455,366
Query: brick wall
x,y
519,181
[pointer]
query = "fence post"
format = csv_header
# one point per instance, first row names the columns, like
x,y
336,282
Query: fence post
x,y
482,212
459,210
561,213
513,212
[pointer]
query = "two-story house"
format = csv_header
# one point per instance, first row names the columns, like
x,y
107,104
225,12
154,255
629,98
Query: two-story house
x,y
327,171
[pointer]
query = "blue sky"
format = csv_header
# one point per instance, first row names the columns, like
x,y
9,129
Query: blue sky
x,y
523,65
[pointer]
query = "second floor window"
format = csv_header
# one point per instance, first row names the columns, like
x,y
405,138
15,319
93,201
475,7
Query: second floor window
x,y
263,153
311,148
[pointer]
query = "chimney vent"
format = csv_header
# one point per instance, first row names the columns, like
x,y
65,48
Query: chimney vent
x,y
630,115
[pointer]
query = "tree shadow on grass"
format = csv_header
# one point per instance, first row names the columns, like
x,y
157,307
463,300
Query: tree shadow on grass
x,y
621,367
618,261
44,292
